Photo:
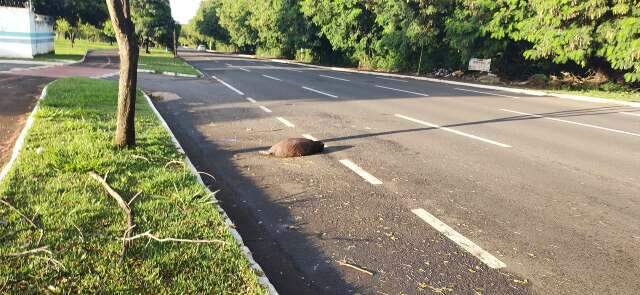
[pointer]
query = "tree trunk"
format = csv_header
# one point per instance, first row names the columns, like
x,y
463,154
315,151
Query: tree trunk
x,y
175,44
146,46
128,47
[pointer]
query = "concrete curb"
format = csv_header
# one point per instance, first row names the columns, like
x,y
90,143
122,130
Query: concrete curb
x,y
34,62
174,74
17,148
481,86
262,278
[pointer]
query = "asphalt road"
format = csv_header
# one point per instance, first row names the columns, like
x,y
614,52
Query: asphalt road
x,y
18,96
425,187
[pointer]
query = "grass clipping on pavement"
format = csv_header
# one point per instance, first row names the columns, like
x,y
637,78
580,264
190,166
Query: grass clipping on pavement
x,y
61,231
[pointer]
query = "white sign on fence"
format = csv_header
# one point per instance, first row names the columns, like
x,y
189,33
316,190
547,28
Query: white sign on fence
x,y
482,65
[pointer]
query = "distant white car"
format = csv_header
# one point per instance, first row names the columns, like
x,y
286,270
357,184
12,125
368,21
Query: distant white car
x,y
201,48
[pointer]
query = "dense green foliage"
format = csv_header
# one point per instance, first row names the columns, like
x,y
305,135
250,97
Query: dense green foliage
x,y
521,36
87,19
153,21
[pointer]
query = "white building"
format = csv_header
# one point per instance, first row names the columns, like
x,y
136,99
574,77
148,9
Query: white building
x,y
23,33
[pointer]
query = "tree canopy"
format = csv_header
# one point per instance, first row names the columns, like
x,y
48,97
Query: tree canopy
x,y
521,36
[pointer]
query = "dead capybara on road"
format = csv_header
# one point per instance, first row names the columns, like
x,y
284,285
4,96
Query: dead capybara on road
x,y
294,147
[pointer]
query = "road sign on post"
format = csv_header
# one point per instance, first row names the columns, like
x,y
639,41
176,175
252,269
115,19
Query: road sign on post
x,y
482,65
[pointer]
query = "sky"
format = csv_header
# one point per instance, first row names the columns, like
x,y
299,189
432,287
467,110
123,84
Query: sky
x,y
184,10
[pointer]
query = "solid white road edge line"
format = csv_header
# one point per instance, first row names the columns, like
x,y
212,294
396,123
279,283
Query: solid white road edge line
x,y
400,90
489,93
630,114
475,250
453,131
364,174
285,122
251,100
228,86
574,123
262,278
320,92
335,78
23,135
265,109
272,78
391,79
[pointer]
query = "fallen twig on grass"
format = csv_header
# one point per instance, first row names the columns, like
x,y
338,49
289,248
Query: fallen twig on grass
x,y
140,157
345,263
123,205
19,213
38,250
174,162
207,174
162,240
44,249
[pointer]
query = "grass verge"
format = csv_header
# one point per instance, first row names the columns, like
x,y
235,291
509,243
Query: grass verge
x,y
158,60
65,210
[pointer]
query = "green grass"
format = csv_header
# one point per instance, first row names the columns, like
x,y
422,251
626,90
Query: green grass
x,y
81,225
161,61
630,95
64,51
158,60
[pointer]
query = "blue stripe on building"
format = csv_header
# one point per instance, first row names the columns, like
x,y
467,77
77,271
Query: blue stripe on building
x,y
27,34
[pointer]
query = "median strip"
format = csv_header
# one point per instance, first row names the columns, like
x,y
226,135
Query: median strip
x,y
320,92
466,244
453,131
364,174
400,90
574,123
68,224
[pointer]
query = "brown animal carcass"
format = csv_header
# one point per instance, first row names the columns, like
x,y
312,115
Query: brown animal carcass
x,y
295,147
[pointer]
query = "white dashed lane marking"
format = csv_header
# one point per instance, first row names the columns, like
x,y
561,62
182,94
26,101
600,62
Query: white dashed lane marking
x,y
243,69
400,90
265,109
364,174
285,122
227,85
574,123
320,92
453,131
272,78
251,100
468,245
